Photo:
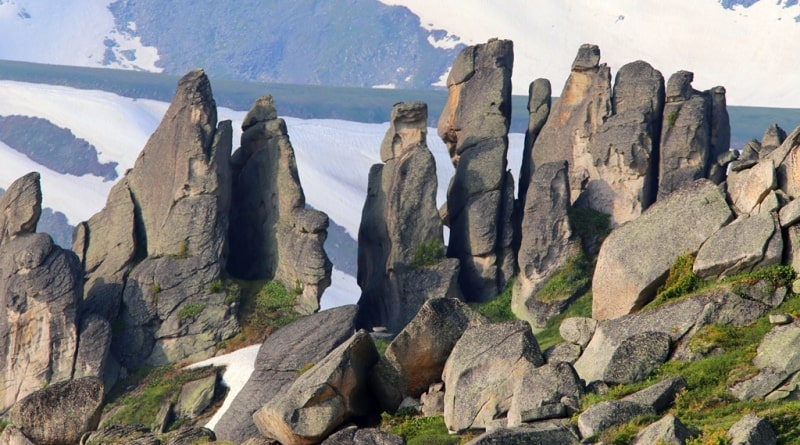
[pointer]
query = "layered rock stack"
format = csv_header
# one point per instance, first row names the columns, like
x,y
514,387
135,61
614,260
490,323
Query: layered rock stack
x,y
480,200
400,245
272,234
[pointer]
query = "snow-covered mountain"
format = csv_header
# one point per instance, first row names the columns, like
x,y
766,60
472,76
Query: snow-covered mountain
x,y
333,156
745,45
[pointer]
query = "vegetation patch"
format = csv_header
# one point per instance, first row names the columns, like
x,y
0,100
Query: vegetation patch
x,y
499,308
191,310
549,336
418,430
681,280
381,344
589,224
572,279
428,253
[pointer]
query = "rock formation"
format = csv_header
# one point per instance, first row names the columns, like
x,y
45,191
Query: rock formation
x,y
539,97
20,207
272,234
474,126
400,244
548,241
171,212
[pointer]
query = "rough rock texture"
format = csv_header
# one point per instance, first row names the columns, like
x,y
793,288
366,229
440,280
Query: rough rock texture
x,y
548,242
787,164
667,431
686,151
474,126
537,433
114,434
432,401
550,391
741,246
720,125
195,397
20,207
621,163
190,436
776,358
39,292
287,350
272,234
679,321
399,222
773,137
323,398
13,436
171,211
420,350
363,436
637,356
60,413
483,370
752,430
635,258
93,346
578,330
584,104
748,188
539,98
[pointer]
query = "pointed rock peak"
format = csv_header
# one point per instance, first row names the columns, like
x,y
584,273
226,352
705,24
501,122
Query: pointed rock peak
x,y
263,110
588,58
195,87
408,127
679,86
20,207
773,136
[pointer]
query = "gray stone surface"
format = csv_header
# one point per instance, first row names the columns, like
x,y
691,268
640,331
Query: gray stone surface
x,y
13,436
482,372
196,396
747,188
20,207
539,102
323,398
790,213
752,430
474,126
563,352
190,436
741,246
635,258
548,242
787,164
363,436
400,219
272,233
39,293
659,396
610,413
637,356
94,345
287,350
537,433
667,431
60,413
550,391
776,358
773,137
578,330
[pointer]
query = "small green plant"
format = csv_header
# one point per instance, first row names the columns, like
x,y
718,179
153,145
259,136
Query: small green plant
x,y
572,279
183,250
305,368
499,308
672,117
216,287
381,344
681,279
233,293
418,430
428,253
191,310
298,287
590,223
710,437
156,290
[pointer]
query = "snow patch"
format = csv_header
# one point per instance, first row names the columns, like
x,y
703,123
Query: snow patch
x,y
385,86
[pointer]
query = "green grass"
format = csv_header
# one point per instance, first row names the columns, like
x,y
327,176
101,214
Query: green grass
x,y
190,310
428,253
499,308
573,278
418,430
589,223
549,336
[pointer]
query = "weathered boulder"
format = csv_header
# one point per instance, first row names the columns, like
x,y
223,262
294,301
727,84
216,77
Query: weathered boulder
x,y
786,159
741,246
13,436
60,413
686,151
363,436
747,188
637,356
548,242
751,430
482,372
39,293
667,431
114,434
272,234
578,330
539,98
547,392
400,238
324,397
196,396
539,432
776,359
190,436
621,161
419,352
20,207
480,200
635,258
583,106
432,401
773,137
285,352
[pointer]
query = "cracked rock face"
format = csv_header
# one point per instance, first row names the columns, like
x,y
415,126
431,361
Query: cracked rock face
x,y
20,207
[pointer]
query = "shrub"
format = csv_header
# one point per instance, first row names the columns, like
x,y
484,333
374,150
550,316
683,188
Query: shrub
x,y
191,310
499,308
681,279
428,253
672,117
573,278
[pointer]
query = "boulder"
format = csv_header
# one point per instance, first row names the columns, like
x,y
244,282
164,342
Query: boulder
x,y
773,137
323,398
563,352
432,401
39,292
743,245
285,352
400,242
474,127
363,436
482,372
685,151
790,213
548,242
196,396
60,413
584,104
659,396
578,330
20,207
420,350
786,159
272,234
11,435
752,430
190,436
540,432
115,434
637,356
776,359
621,162
547,392
635,258
539,101
667,431
747,188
